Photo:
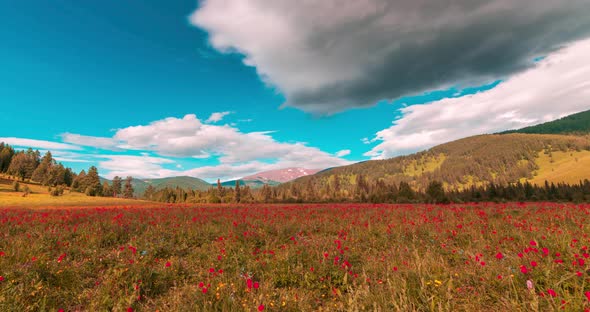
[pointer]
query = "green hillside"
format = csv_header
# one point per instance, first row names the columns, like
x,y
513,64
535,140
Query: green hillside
x,y
185,182
253,184
574,124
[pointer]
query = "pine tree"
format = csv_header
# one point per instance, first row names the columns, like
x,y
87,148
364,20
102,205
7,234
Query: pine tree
x,y
42,172
79,183
93,186
149,193
128,188
117,184
23,164
237,194
6,154
106,189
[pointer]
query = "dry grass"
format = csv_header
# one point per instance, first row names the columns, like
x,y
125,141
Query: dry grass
x,y
569,167
40,198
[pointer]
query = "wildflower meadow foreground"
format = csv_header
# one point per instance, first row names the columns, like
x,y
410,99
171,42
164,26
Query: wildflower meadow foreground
x,y
328,257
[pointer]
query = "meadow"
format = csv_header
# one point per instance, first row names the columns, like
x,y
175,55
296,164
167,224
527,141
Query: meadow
x,y
329,257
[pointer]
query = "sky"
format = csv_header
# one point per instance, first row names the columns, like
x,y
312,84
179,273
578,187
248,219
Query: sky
x,y
227,88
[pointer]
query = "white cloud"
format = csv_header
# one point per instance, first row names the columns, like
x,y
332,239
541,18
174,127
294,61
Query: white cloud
x,y
135,166
217,117
343,153
98,142
236,151
557,86
330,55
48,145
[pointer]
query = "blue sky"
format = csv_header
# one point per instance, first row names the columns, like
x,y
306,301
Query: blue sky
x,y
93,68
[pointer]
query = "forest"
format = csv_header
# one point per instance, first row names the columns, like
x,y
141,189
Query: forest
x,y
336,185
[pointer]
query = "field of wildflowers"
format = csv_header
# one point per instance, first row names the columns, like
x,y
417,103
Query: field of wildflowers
x,y
329,257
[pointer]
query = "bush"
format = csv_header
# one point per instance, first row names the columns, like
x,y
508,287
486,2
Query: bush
x,y
58,191
26,191
16,186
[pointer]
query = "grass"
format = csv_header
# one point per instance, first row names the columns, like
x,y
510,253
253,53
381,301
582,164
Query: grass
x,y
297,258
570,167
40,198
425,164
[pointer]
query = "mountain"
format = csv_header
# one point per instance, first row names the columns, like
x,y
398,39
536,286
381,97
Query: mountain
x,y
478,160
573,124
185,182
557,151
280,175
253,184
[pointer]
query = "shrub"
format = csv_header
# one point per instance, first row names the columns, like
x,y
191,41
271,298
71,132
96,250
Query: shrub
x,y
16,186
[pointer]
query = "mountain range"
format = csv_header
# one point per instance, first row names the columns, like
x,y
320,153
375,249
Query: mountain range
x,y
556,151
272,178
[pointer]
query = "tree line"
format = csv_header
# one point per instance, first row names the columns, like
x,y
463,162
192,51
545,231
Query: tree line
x,y
376,192
29,165
357,187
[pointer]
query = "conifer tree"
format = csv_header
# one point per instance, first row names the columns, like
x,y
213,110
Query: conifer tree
x,y
128,188
117,183
237,195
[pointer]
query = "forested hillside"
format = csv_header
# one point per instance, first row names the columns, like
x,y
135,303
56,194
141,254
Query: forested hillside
x,y
573,124
474,161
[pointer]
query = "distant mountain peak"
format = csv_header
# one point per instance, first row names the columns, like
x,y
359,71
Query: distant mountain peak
x,y
282,175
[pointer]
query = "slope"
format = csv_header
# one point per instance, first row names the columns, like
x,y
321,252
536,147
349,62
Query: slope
x,y
505,158
577,123
184,182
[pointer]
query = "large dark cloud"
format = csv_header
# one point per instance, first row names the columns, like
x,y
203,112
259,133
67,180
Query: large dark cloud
x,y
327,56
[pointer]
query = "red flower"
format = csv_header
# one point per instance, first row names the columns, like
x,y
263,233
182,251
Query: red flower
x,y
587,295
533,243
581,262
60,259
499,256
249,283
551,292
1,278
204,290
261,307
533,264
168,264
523,269
256,285
130,309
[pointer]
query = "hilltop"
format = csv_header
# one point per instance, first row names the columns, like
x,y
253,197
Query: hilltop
x,y
573,124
